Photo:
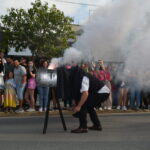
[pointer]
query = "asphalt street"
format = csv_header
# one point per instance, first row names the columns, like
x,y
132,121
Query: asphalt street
x,y
120,132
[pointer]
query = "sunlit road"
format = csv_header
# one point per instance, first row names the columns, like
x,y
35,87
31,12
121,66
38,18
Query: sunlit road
x,y
120,132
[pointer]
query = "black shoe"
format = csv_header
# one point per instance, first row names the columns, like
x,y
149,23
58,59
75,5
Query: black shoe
x,y
95,128
136,108
76,115
55,108
64,108
79,130
145,107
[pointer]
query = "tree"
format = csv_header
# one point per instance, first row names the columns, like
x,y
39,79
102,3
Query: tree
x,y
45,31
3,42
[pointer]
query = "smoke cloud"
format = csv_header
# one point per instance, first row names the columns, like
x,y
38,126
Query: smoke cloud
x,y
117,32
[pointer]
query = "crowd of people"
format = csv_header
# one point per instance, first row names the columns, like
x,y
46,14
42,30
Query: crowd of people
x,y
20,92
18,86
126,91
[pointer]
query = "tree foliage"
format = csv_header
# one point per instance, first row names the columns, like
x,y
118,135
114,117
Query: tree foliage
x,y
45,31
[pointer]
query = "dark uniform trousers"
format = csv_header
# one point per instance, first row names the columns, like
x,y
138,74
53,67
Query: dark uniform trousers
x,y
94,100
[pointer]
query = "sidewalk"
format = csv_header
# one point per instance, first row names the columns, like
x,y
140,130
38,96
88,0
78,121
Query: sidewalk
x,y
68,112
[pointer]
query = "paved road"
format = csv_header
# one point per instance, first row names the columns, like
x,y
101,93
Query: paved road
x,y
120,132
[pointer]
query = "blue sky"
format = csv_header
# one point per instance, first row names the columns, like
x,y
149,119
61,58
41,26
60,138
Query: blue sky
x,y
80,13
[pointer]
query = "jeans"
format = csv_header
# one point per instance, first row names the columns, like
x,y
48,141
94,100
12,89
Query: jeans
x,y
135,94
116,97
67,101
20,90
43,96
144,99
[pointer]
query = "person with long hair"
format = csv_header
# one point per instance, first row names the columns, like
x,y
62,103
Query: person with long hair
x,y
43,87
31,85
105,76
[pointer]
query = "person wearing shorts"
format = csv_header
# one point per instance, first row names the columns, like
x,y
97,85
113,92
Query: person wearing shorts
x,y
20,80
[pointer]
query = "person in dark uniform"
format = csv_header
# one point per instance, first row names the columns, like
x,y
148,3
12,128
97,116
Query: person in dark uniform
x,y
88,92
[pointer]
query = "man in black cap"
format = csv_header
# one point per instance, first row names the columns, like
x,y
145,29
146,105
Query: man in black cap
x,y
88,92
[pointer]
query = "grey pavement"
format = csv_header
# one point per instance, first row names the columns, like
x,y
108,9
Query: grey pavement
x,y
120,132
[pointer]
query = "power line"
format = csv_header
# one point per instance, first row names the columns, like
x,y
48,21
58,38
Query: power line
x,y
75,3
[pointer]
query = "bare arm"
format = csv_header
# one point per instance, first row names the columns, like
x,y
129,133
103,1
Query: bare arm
x,y
24,78
83,99
32,75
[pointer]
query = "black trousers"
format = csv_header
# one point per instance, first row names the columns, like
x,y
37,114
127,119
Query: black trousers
x,y
94,100
144,99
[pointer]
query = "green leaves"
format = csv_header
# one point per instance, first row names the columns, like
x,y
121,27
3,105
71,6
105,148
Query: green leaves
x,y
42,29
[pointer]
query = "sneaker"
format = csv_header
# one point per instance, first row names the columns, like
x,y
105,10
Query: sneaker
x,y
11,111
40,109
105,108
30,110
124,108
20,110
137,108
79,130
109,108
118,107
45,108
100,108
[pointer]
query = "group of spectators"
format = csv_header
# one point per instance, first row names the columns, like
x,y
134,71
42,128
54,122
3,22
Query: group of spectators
x,y
126,92
18,86
19,90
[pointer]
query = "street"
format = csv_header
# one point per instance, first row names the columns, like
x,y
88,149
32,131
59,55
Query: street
x,y
120,132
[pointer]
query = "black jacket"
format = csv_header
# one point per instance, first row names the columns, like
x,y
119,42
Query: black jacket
x,y
69,82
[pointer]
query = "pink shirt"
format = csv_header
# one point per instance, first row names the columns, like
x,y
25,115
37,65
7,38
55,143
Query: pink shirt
x,y
103,75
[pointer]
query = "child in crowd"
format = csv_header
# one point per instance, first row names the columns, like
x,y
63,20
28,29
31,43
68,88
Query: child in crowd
x,y
10,94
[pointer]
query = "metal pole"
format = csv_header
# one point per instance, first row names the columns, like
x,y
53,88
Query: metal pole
x,y
61,115
47,114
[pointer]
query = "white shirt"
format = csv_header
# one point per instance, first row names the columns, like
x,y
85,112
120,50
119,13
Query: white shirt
x,y
85,86
19,72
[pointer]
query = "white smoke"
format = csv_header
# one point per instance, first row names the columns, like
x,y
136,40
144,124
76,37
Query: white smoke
x,y
71,56
118,32
108,31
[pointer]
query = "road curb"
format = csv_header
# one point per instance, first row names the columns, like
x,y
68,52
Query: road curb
x,y
68,112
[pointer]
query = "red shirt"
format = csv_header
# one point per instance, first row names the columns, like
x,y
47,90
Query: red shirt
x,y
103,75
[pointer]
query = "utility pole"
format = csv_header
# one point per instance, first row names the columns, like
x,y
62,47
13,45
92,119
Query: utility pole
x,y
90,13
